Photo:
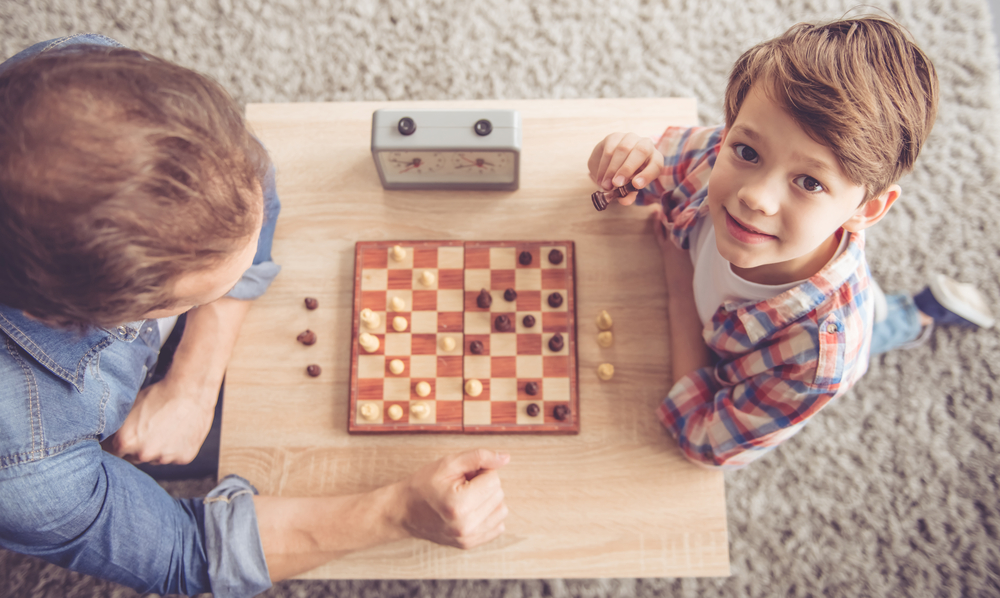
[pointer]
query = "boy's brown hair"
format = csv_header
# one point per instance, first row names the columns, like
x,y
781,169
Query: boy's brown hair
x,y
860,86
119,172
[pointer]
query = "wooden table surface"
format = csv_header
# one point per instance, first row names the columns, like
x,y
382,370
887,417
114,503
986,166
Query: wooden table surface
x,y
617,500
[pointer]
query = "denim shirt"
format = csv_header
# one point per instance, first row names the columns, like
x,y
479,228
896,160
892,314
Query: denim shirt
x,y
64,499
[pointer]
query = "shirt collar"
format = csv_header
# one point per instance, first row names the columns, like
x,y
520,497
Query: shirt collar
x,y
65,353
761,320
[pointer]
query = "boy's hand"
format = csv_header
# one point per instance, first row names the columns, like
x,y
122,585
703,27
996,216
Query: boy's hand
x,y
165,425
455,501
624,157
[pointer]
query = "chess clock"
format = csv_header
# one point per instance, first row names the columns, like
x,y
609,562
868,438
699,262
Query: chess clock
x,y
447,149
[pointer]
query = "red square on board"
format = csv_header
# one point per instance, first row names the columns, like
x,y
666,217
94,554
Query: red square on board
x,y
529,344
373,300
502,279
555,366
503,366
448,412
449,366
450,321
503,412
451,279
375,258
529,301
477,258
425,300
400,279
370,389
423,344
553,278
555,321
425,257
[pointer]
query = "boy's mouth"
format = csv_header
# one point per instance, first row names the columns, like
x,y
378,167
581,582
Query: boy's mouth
x,y
744,233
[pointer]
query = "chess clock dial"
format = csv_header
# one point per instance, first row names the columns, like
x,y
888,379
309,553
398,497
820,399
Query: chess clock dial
x,y
447,149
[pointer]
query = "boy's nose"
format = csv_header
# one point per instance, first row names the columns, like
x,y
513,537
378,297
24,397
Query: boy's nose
x,y
760,194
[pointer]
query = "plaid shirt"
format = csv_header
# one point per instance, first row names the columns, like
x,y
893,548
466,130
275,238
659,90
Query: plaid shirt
x,y
779,361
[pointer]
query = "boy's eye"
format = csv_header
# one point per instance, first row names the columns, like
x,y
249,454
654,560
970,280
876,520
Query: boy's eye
x,y
809,184
745,152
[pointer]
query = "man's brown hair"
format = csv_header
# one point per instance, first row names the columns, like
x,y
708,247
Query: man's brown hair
x,y
860,86
119,172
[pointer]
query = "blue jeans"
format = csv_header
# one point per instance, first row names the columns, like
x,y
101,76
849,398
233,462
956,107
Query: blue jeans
x,y
900,328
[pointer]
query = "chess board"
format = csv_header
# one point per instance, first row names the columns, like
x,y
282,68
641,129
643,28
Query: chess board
x,y
507,362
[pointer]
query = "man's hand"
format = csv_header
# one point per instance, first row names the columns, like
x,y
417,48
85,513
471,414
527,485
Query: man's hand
x,y
457,500
621,158
166,425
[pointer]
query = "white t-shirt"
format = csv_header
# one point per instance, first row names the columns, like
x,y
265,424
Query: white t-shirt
x,y
715,283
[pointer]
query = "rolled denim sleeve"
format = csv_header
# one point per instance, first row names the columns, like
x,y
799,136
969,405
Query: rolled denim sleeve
x,y
259,276
94,513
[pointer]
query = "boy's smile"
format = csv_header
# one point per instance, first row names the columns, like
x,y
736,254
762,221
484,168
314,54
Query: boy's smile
x,y
778,197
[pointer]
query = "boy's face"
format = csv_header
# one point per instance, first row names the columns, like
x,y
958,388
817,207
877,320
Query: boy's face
x,y
777,196
205,286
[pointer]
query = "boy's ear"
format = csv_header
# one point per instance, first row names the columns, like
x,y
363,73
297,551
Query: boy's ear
x,y
873,210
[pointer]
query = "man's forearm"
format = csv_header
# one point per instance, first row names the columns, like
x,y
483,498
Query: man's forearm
x,y
300,534
209,337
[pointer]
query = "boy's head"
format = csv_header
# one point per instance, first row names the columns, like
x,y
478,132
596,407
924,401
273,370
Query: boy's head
x,y
820,124
121,177
861,87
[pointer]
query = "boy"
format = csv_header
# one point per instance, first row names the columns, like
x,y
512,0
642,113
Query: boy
x,y
131,191
762,233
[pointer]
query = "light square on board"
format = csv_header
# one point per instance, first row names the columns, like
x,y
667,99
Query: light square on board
x,y
503,343
423,366
424,322
476,279
405,294
478,366
528,279
529,366
478,322
503,258
396,389
449,389
458,344
546,250
503,389
397,344
451,257
371,366
431,417
522,414
545,345
450,300
374,280
555,389
368,422
415,280
477,413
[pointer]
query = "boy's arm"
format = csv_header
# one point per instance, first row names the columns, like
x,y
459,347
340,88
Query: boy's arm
x,y
170,419
688,351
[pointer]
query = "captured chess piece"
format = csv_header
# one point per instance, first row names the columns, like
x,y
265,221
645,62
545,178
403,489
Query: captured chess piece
x,y
601,199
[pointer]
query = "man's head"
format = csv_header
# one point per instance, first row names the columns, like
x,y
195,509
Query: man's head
x,y
123,178
820,124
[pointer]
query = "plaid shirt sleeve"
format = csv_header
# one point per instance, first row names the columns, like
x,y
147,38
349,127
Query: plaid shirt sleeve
x,y
689,155
781,362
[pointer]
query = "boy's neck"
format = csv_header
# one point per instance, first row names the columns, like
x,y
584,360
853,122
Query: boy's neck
x,y
800,268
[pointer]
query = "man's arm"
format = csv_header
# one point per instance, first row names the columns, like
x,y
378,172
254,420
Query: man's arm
x,y
170,419
456,501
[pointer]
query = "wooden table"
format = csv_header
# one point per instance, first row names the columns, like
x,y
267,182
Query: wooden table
x,y
618,500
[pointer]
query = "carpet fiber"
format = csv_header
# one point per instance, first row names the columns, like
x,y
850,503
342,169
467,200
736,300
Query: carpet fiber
x,y
892,490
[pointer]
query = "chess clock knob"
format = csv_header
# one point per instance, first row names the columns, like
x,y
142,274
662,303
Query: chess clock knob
x,y
447,149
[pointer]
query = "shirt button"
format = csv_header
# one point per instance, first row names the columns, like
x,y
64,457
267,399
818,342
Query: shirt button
x,y
122,330
831,328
